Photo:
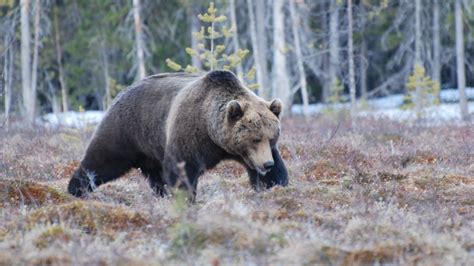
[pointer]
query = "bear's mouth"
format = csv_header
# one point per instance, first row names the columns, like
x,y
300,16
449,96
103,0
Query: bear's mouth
x,y
260,171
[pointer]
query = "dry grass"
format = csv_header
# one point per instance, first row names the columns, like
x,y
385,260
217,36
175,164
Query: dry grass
x,y
383,192
24,192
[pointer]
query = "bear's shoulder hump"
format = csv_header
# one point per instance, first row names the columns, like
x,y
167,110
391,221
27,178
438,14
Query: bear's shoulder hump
x,y
223,78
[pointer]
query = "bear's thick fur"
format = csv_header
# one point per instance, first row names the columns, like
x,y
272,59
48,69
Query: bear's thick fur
x,y
175,126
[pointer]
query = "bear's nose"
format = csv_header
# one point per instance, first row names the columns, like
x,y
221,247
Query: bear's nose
x,y
268,165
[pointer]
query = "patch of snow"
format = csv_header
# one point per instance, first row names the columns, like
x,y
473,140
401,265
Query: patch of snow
x,y
396,100
71,119
452,95
318,108
443,113
391,101
385,107
389,107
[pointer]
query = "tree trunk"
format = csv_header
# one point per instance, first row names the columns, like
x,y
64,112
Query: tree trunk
x,y
281,83
418,61
7,77
325,64
333,48
139,40
59,60
262,43
195,27
418,33
460,60
436,69
363,65
105,68
6,90
55,105
36,44
256,51
299,57
235,36
363,61
28,101
352,85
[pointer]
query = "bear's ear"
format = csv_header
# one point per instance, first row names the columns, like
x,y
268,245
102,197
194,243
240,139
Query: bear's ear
x,y
276,106
234,110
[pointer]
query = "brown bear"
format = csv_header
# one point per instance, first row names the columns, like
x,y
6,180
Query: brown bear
x,y
175,126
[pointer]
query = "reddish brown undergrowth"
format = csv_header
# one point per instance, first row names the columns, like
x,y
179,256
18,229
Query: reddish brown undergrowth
x,y
378,192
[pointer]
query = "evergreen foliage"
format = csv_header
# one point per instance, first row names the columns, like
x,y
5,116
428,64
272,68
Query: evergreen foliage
x,y
422,91
212,52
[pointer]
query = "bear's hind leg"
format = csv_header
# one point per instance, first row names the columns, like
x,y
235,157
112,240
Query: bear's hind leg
x,y
92,174
154,176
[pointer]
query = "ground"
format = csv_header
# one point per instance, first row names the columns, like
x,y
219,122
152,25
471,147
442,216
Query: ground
x,y
374,192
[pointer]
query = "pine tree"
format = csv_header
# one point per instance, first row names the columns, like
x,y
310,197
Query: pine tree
x,y
211,50
422,91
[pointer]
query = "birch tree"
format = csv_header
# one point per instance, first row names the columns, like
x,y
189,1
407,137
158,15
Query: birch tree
x,y
28,97
262,43
105,69
299,58
36,47
352,86
195,26
8,61
281,82
460,59
418,61
418,33
363,65
50,93
436,65
363,62
258,59
235,36
59,61
333,48
139,40
7,74
8,69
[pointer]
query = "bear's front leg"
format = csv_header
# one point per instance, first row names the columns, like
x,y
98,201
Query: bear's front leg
x,y
278,175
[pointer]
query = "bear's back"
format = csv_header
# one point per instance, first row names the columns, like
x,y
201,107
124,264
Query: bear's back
x,y
136,120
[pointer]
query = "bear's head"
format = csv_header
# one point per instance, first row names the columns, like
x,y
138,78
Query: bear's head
x,y
252,129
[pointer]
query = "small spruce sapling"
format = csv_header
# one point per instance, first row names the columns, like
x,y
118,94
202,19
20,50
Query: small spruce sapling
x,y
210,51
422,91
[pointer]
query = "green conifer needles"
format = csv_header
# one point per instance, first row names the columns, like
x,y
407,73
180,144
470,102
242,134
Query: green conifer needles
x,y
422,91
211,53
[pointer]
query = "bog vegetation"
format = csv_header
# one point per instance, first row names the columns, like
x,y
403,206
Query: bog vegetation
x,y
363,190
382,193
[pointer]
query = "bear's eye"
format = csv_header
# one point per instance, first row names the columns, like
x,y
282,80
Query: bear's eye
x,y
257,141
